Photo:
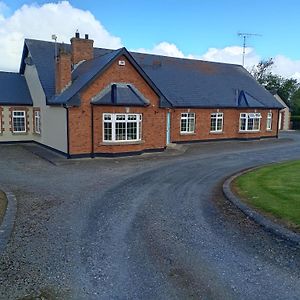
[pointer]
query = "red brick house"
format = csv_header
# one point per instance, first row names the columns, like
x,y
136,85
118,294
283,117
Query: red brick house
x,y
89,101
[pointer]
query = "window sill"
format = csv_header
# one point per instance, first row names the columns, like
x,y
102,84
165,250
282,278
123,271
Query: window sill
x,y
119,143
249,131
187,133
20,133
216,132
269,130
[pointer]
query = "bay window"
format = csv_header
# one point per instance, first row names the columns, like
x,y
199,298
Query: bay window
x,y
122,127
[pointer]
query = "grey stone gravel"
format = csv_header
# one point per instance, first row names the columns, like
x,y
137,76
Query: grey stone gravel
x,y
147,227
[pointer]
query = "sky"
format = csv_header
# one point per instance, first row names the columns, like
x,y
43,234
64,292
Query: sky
x,y
199,29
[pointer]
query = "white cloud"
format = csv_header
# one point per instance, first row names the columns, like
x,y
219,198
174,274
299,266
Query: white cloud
x,y
283,65
233,55
286,67
20,24
52,20
163,48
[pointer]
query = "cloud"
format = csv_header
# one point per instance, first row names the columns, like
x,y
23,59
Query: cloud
x,y
52,16
163,48
18,25
286,67
233,55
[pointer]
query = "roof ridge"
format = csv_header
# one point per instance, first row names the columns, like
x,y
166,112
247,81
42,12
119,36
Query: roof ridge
x,y
186,59
149,54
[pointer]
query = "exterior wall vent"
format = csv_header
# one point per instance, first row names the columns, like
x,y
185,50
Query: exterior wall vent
x,y
121,62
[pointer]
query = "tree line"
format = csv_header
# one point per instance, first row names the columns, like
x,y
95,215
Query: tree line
x,y
287,88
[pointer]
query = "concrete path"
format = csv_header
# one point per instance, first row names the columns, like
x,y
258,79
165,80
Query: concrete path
x,y
147,227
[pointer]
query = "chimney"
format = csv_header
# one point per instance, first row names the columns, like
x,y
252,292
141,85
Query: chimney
x,y
62,71
81,49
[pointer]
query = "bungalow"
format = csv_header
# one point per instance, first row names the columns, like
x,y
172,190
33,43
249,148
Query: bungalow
x,y
86,101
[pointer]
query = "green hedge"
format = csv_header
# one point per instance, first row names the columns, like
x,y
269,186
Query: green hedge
x,y
295,122
295,118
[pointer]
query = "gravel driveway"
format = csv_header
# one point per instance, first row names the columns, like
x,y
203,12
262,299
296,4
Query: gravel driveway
x,y
146,227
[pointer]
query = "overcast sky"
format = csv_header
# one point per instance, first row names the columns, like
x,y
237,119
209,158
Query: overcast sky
x,y
202,29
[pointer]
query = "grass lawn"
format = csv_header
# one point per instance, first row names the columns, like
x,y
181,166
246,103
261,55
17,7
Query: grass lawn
x,y
275,190
3,204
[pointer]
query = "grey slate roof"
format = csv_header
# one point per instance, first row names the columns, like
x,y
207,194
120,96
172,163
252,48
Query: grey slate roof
x,y
120,95
182,82
13,89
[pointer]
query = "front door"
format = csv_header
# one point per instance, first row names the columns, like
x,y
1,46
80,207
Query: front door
x,y
168,128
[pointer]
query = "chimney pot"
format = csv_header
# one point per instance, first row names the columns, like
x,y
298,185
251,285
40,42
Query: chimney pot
x,y
77,35
86,36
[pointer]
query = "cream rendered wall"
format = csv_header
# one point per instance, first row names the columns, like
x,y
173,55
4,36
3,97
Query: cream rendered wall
x,y
53,118
286,114
7,135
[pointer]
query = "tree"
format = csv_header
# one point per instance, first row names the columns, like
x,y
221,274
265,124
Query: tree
x,y
295,103
285,88
262,69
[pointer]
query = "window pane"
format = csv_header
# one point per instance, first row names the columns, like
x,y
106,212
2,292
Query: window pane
x,y
183,125
107,131
120,117
120,131
243,124
131,131
213,123
256,124
132,117
219,124
250,124
191,125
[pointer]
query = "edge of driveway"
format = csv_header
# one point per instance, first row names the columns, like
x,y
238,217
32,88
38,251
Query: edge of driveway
x,y
8,222
266,223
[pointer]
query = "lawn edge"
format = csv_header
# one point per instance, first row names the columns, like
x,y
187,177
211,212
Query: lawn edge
x,y
8,222
263,221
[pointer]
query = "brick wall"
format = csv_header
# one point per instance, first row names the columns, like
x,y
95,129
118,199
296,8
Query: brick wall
x,y
62,71
81,49
80,123
231,119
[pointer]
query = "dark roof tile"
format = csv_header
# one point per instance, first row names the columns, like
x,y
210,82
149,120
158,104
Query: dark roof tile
x,y
120,95
182,82
13,89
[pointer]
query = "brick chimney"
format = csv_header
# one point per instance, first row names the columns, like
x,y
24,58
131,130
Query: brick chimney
x,y
62,71
81,49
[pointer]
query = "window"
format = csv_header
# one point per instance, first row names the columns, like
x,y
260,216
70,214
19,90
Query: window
x,y
269,121
37,121
250,121
122,127
19,121
187,124
216,122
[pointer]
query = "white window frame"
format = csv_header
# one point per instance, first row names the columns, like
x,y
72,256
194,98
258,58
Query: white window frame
x,y
190,123
37,121
19,117
269,121
215,117
247,117
113,119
